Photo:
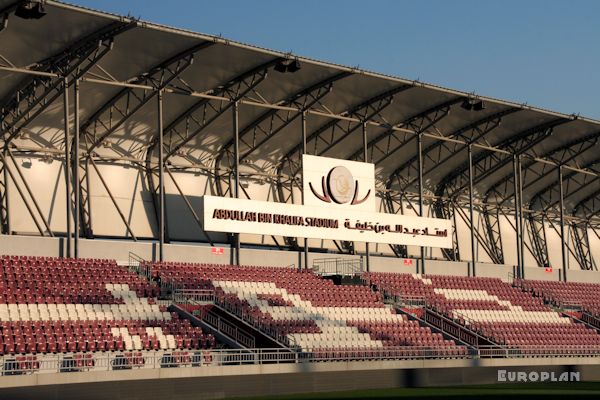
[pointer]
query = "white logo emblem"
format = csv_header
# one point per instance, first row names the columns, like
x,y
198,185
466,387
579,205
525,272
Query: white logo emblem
x,y
340,187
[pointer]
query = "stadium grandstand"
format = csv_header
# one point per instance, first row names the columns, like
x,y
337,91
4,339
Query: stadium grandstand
x,y
183,215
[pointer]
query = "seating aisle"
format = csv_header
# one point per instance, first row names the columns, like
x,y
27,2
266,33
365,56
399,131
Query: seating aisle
x,y
312,312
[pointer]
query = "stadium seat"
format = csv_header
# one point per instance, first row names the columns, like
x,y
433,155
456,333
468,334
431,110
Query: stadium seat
x,y
60,305
497,310
306,310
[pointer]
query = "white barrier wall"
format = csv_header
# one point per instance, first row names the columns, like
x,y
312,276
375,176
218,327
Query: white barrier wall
x,y
119,250
504,272
583,276
130,190
439,267
540,274
46,181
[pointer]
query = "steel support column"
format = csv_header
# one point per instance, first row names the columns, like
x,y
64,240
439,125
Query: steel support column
x,y
421,268
302,191
76,215
236,165
112,198
36,93
189,205
517,216
365,159
29,192
23,198
471,213
161,179
67,164
521,234
4,211
562,154
563,248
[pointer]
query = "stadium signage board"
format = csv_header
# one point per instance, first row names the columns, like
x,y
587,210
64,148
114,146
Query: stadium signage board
x,y
225,214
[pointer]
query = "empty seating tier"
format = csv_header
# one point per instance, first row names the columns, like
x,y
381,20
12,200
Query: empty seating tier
x,y
55,305
310,312
31,280
495,309
89,336
567,294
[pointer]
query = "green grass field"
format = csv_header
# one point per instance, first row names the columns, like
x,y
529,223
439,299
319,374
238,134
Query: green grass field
x,y
563,391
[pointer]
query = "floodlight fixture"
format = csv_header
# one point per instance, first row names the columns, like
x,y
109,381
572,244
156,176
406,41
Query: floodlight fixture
x,y
287,66
479,106
280,67
30,11
294,66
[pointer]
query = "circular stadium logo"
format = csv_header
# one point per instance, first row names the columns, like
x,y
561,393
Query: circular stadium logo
x,y
340,183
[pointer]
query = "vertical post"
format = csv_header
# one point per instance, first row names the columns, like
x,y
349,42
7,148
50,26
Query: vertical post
x,y
5,194
365,159
471,213
304,152
161,180
517,216
76,172
562,224
67,163
521,222
236,150
420,167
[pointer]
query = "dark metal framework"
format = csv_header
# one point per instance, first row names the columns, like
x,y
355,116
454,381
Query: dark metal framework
x,y
323,139
495,175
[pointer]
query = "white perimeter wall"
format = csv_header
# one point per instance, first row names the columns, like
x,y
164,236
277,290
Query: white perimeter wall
x,y
129,187
119,250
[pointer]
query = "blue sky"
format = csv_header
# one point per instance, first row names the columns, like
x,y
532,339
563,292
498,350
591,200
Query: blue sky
x,y
545,53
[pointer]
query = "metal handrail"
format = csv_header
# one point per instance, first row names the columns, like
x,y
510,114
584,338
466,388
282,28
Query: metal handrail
x,y
139,265
337,266
205,297
225,327
131,360
421,301
239,312
409,301
199,296
193,296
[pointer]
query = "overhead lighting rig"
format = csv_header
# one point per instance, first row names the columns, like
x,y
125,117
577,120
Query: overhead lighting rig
x,y
288,66
30,10
472,104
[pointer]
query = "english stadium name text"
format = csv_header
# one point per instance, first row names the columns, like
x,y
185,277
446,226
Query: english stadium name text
x,y
224,214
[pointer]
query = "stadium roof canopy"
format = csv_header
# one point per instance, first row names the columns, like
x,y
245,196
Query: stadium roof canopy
x,y
121,65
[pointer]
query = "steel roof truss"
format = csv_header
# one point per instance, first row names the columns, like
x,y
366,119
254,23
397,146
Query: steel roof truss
x,y
561,155
574,183
590,206
4,214
113,114
435,152
392,140
488,162
493,236
581,241
537,237
491,252
445,209
327,136
36,93
273,121
194,120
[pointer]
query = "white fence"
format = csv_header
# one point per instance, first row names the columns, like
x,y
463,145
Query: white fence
x,y
66,363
